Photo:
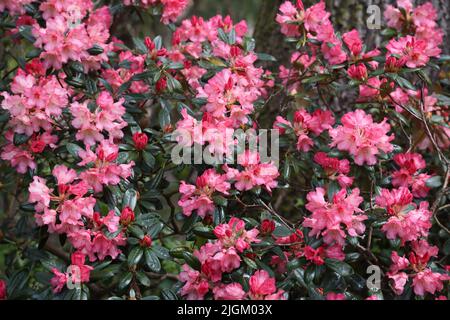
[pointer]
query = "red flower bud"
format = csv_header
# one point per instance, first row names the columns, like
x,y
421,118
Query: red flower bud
x,y
2,290
37,146
146,242
267,226
140,140
149,44
358,72
161,84
126,216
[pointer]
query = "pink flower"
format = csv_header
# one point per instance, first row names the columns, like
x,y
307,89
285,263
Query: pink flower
x,y
428,281
261,284
63,174
303,123
423,278
286,18
406,221
78,260
335,296
39,193
361,137
407,175
195,287
232,291
199,197
353,42
327,217
140,140
58,281
417,52
234,234
399,280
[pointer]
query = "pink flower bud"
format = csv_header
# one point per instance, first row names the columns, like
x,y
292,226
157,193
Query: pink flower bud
x,y
140,140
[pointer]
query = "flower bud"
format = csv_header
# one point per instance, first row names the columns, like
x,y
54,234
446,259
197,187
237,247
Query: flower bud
x,y
358,72
267,227
2,290
126,216
140,140
149,44
146,242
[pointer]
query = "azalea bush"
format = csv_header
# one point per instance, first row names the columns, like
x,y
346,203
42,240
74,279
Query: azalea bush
x,y
94,206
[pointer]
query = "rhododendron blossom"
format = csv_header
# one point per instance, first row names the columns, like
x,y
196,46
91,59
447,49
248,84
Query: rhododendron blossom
x,y
362,137
327,217
406,220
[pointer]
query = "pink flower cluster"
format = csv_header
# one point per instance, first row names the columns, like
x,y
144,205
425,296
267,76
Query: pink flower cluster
x,y
120,75
305,123
14,6
424,280
421,23
70,211
329,217
408,175
72,27
78,273
407,221
362,137
231,93
107,118
102,167
199,198
35,104
223,256
313,23
171,9
254,172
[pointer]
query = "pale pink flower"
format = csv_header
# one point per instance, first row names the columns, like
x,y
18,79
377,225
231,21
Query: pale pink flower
x,y
362,137
232,291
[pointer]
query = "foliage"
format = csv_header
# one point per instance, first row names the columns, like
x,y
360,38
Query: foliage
x,y
95,207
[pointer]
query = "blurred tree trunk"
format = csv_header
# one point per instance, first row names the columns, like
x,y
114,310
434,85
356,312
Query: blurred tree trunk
x,y
267,33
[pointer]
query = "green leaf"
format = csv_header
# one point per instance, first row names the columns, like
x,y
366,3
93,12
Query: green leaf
x,y
152,261
220,200
168,294
339,267
218,216
136,231
135,255
192,261
20,139
250,263
155,229
143,279
282,231
299,275
266,57
73,149
125,280
434,182
149,159
332,189
204,232
129,199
